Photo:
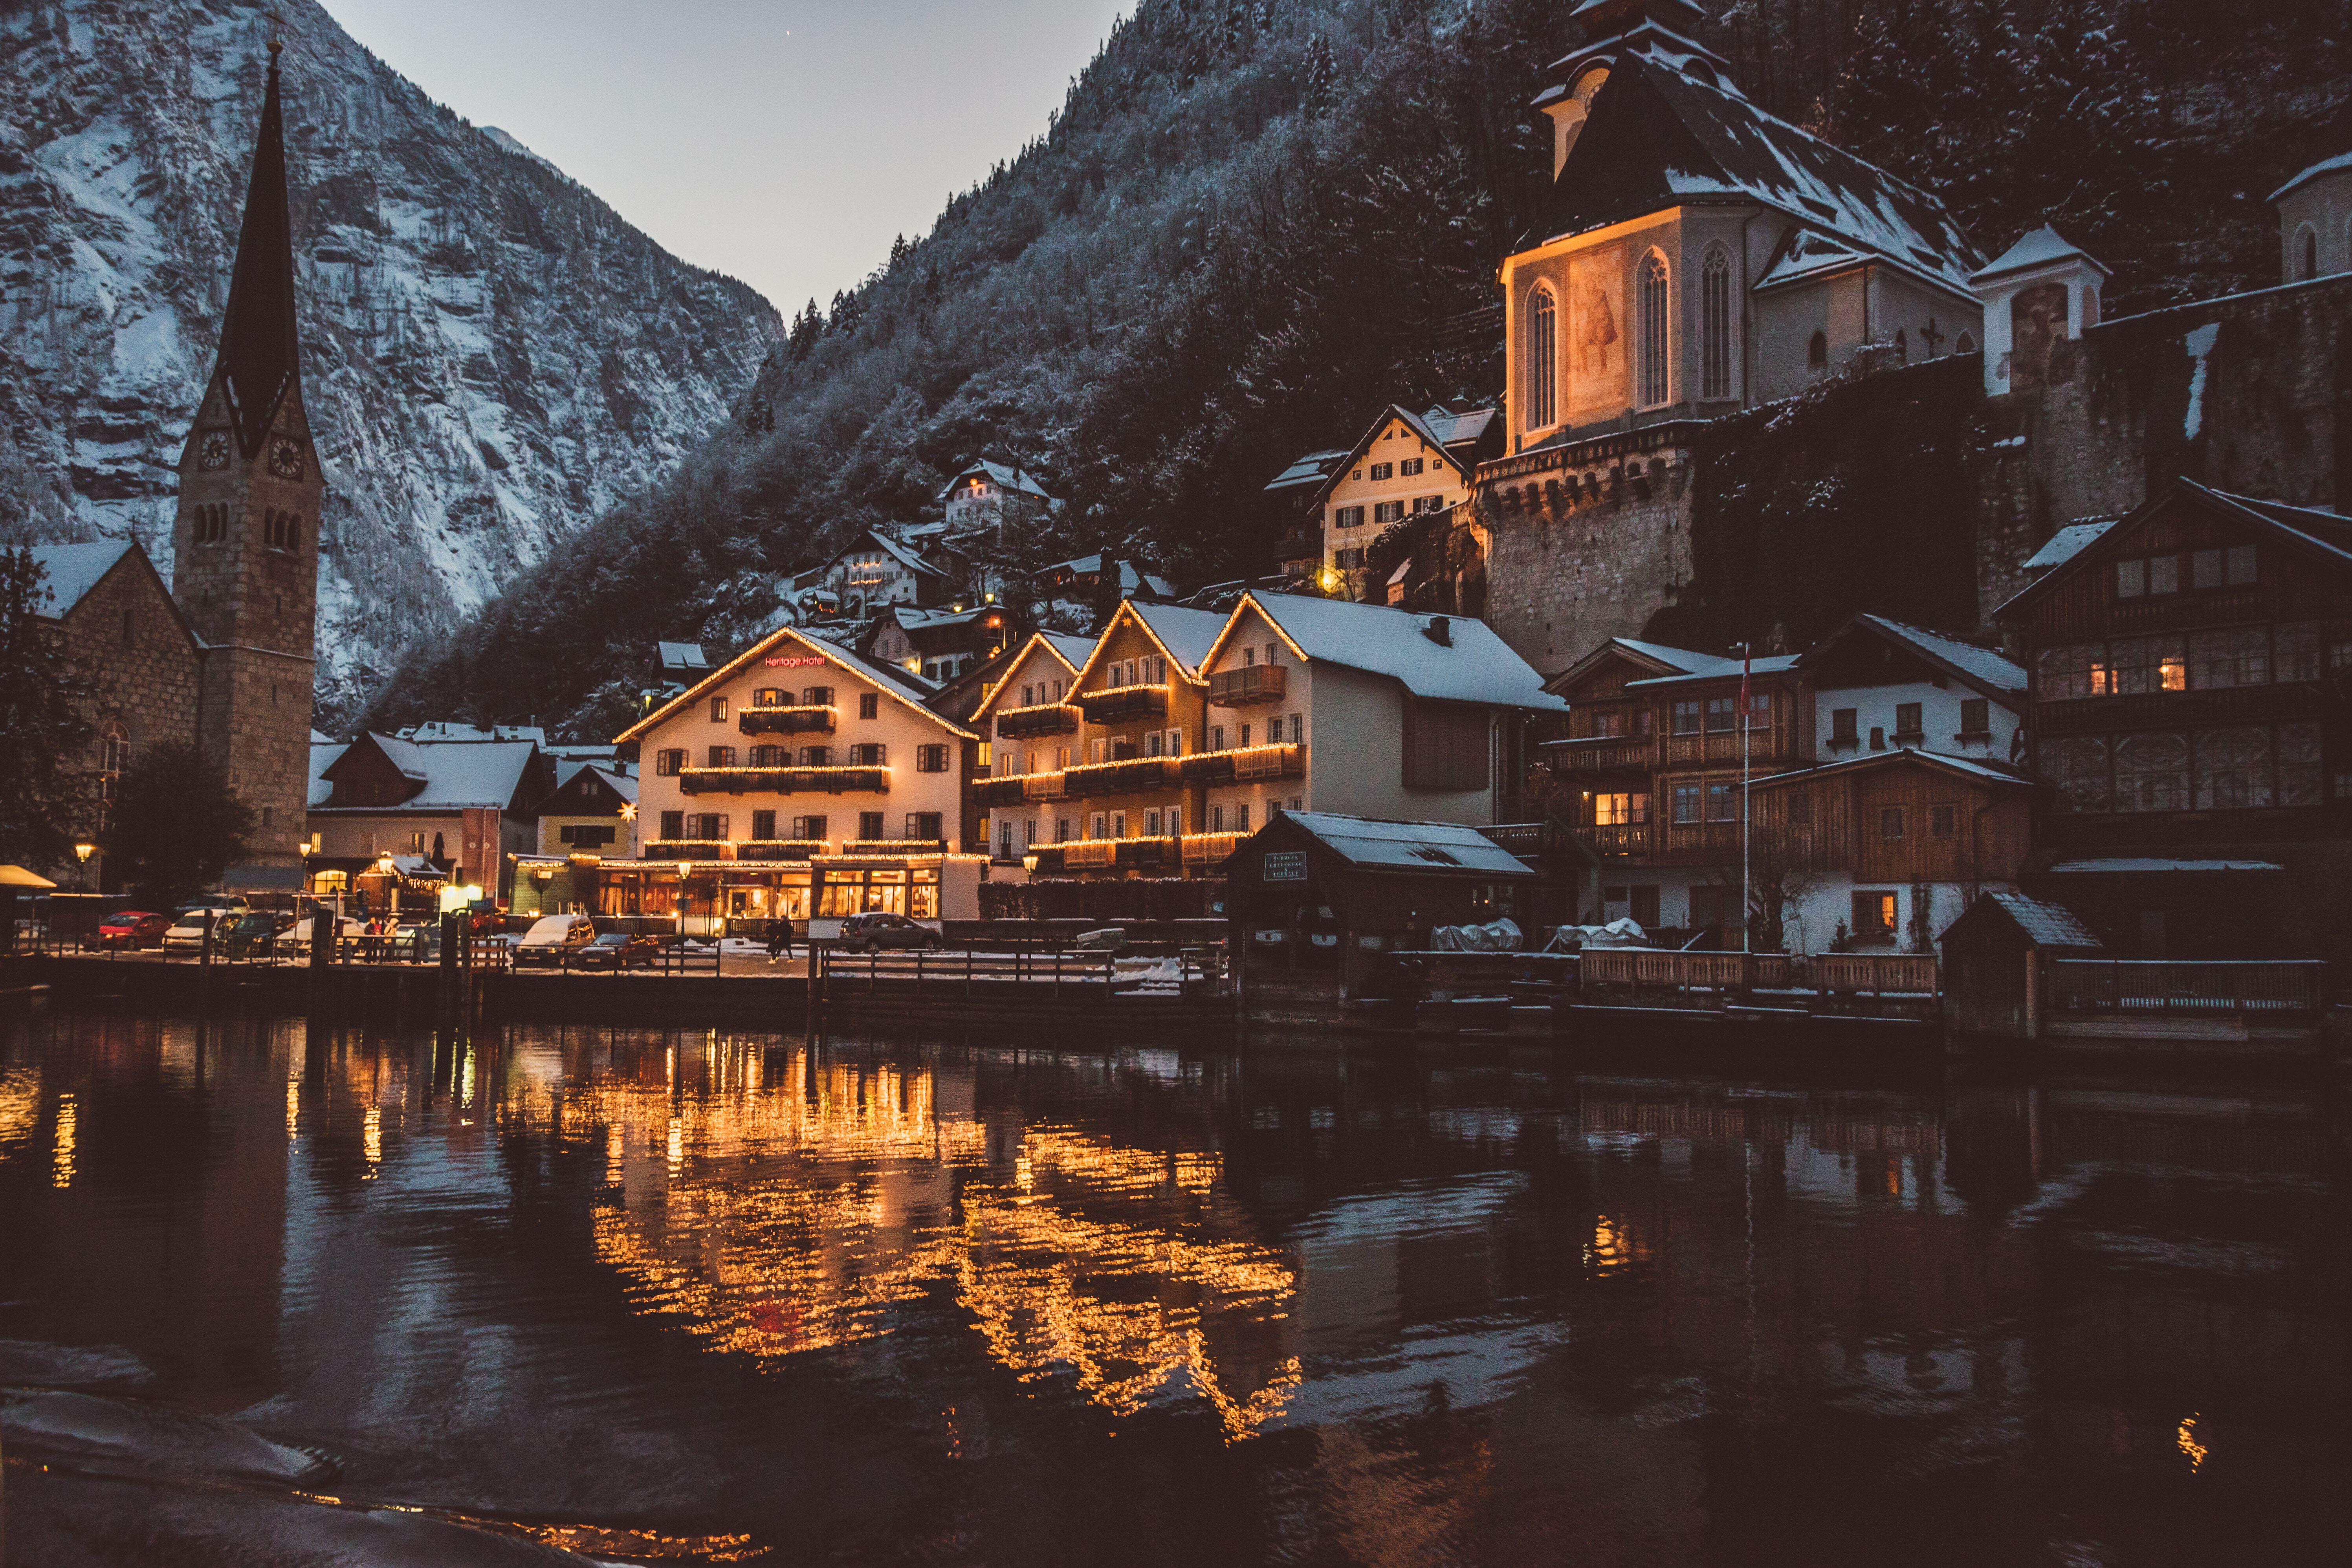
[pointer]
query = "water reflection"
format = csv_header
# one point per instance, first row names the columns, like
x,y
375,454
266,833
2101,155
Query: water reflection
x,y
897,1301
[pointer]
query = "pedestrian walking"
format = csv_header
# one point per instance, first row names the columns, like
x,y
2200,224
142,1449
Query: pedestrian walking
x,y
780,940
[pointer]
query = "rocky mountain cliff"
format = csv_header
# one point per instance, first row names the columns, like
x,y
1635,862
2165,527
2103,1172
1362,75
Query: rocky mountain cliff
x,y
491,356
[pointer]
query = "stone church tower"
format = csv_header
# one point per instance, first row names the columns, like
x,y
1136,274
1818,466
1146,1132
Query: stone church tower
x,y
245,539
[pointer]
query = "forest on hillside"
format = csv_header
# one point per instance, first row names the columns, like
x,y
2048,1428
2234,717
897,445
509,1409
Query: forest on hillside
x,y
1250,224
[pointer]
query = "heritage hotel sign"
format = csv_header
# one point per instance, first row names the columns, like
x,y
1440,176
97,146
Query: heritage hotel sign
x,y
795,663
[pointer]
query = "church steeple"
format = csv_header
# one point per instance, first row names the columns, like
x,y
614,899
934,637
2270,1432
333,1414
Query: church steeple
x,y
245,545
261,357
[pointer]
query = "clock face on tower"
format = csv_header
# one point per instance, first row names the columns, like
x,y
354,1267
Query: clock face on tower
x,y
213,451
286,459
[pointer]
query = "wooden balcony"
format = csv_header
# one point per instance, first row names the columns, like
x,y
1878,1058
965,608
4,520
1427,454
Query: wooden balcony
x,y
1119,704
784,781
689,849
780,848
1128,777
1721,747
1090,854
988,792
1146,854
1041,786
1604,753
797,720
1248,687
1285,760
1209,849
1046,719
1618,838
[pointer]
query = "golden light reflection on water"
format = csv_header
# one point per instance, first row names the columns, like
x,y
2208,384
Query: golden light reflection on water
x,y
20,1105
371,1141
795,1214
293,1107
2186,1440
61,1161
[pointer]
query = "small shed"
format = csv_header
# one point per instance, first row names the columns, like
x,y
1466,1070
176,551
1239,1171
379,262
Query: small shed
x,y
1328,894
1992,963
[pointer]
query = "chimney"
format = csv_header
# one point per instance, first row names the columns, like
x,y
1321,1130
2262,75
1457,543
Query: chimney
x,y
1440,631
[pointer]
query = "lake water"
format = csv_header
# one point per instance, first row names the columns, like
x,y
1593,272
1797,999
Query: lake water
x,y
701,1296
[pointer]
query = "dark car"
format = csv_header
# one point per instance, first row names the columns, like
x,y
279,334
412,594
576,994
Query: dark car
x,y
872,933
250,936
617,949
133,929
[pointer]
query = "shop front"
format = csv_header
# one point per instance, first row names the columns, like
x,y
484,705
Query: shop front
x,y
927,889
707,898
381,887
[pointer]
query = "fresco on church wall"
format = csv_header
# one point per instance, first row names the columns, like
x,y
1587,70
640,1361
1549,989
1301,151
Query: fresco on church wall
x,y
1598,387
2037,319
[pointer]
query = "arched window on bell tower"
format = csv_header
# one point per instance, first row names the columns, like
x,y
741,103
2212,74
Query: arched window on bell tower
x,y
1542,353
1658,336
1715,325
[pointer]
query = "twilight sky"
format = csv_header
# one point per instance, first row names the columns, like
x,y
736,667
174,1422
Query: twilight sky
x,y
784,142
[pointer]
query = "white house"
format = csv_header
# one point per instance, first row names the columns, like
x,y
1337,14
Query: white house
x,y
1878,685
799,782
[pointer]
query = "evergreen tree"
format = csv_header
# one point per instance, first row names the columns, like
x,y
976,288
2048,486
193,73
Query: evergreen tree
x,y
44,796
1322,79
176,824
807,327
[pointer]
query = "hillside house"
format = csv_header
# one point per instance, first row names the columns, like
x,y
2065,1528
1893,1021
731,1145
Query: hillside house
x,y
1404,465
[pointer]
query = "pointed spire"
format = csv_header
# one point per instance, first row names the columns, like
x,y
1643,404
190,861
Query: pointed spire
x,y
260,358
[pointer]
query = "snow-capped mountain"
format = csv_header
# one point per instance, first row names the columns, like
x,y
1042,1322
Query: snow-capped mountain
x,y
491,356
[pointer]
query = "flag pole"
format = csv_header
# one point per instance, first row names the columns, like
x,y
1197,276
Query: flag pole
x,y
1746,912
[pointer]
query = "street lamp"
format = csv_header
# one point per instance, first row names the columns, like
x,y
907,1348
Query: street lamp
x,y
83,850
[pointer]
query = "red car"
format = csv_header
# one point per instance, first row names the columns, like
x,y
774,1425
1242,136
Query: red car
x,y
133,929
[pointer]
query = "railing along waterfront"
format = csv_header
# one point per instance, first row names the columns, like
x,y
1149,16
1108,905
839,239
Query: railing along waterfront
x,y
2162,985
1079,974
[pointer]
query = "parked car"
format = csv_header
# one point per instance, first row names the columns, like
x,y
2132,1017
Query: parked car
x,y
187,930
553,937
132,929
419,943
227,903
249,936
345,928
874,931
617,949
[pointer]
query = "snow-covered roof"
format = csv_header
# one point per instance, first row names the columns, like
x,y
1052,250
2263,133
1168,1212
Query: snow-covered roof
x,y
1310,470
901,554
1408,845
1808,255
454,774
2111,865
1451,427
1660,136
1187,635
1003,476
2039,248
1718,668
71,571
1076,650
324,754
2045,924
1981,668
2063,546
451,730
2341,162
682,657
614,778
1971,767
1473,665
2320,537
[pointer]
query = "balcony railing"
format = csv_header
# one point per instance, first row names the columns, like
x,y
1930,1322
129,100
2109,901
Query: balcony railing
x,y
1123,777
1041,786
1117,704
780,848
2213,986
1048,718
987,793
1249,686
784,781
893,847
1209,849
1090,854
689,849
1286,761
797,720
1602,753
1764,744
1146,854
1617,837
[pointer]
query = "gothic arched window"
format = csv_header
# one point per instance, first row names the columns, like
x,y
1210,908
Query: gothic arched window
x,y
1965,343
1817,352
1715,324
1543,359
1657,380
2306,255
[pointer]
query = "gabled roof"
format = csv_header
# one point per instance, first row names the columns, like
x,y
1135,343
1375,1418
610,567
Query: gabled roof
x,y
1002,475
1981,668
873,539
1073,651
1473,664
2063,546
1658,138
2341,162
1808,255
1310,470
453,730
898,684
324,754
1721,670
1185,636
2321,538
566,772
2039,248
1132,578
1405,845
1070,652
454,774
1975,768
260,361
1657,657
71,571
1441,427
682,657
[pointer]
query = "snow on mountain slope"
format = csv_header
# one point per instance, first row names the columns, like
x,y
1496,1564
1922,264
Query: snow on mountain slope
x,y
490,355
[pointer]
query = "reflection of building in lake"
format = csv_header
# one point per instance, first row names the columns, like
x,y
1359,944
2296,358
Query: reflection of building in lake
x,y
794,1212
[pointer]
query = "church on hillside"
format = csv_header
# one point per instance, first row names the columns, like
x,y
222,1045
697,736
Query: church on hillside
x,y
224,656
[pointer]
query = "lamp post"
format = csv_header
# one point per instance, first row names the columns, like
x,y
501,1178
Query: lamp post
x,y
83,850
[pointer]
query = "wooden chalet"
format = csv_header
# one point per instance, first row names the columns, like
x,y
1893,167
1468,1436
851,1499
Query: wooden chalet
x,y
2190,672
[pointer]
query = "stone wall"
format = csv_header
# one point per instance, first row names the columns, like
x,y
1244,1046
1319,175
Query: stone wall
x,y
125,638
